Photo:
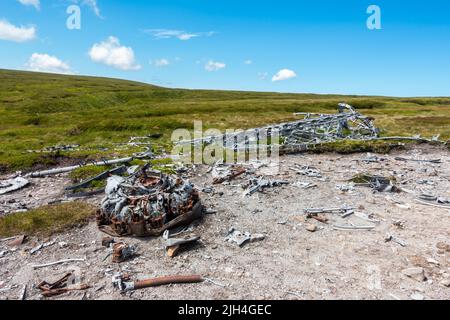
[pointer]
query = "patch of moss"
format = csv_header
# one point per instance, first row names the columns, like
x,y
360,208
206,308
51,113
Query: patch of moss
x,y
162,161
47,220
83,173
367,178
166,170
349,146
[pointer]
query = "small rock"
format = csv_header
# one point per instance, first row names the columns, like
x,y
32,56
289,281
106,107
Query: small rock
x,y
415,273
443,246
311,227
62,244
445,283
432,261
257,237
417,296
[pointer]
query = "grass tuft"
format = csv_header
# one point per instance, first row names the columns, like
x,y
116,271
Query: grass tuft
x,y
47,220
348,147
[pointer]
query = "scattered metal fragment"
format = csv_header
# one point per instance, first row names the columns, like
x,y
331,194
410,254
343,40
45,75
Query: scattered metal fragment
x,y
318,217
238,237
4,253
101,176
372,158
121,252
44,173
260,184
418,160
210,211
414,138
434,201
367,217
398,203
42,246
304,185
172,245
307,171
38,266
345,187
214,282
232,174
9,238
23,293
351,227
316,211
6,289
208,190
124,283
425,181
61,286
378,183
298,295
241,238
12,185
389,238
107,241
58,148
147,203
399,224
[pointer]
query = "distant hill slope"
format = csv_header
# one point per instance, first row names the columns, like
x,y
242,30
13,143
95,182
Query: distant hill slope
x,y
39,110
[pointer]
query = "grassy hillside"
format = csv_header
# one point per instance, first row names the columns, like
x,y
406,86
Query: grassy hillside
x,y
41,110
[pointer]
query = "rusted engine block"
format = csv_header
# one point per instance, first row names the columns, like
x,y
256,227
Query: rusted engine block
x,y
147,203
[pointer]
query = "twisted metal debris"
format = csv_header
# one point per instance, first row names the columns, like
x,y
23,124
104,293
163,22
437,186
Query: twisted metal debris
x,y
313,129
147,203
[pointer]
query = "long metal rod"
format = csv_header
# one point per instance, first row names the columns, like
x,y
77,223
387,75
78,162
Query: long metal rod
x,y
39,174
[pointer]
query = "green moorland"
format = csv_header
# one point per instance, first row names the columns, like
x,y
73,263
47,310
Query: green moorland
x,y
41,110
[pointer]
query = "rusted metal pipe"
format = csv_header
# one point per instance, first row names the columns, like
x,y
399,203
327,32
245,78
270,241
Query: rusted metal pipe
x,y
123,283
167,280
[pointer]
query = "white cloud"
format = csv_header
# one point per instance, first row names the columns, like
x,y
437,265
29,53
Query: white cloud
x,y
161,63
90,3
34,3
10,32
111,53
262,75
214,66
179,34
94,6
46,63
248,61
284,74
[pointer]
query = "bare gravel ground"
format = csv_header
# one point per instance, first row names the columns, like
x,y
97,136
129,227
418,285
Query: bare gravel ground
x,y
291,262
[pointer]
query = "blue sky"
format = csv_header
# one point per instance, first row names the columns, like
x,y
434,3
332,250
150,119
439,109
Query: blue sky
x,y
322,46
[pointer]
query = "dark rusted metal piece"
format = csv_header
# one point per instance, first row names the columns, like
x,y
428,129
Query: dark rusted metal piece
x,y
60,286
234,174
148,203
124,283
167,280
122,252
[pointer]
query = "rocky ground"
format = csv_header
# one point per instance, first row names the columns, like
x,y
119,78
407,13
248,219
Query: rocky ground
x,y
291,262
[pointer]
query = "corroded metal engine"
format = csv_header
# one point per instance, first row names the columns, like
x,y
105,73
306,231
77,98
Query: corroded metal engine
x,y
147,203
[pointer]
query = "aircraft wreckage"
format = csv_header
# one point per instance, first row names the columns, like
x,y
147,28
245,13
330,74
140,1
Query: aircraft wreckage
x,y
147,203
312,129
